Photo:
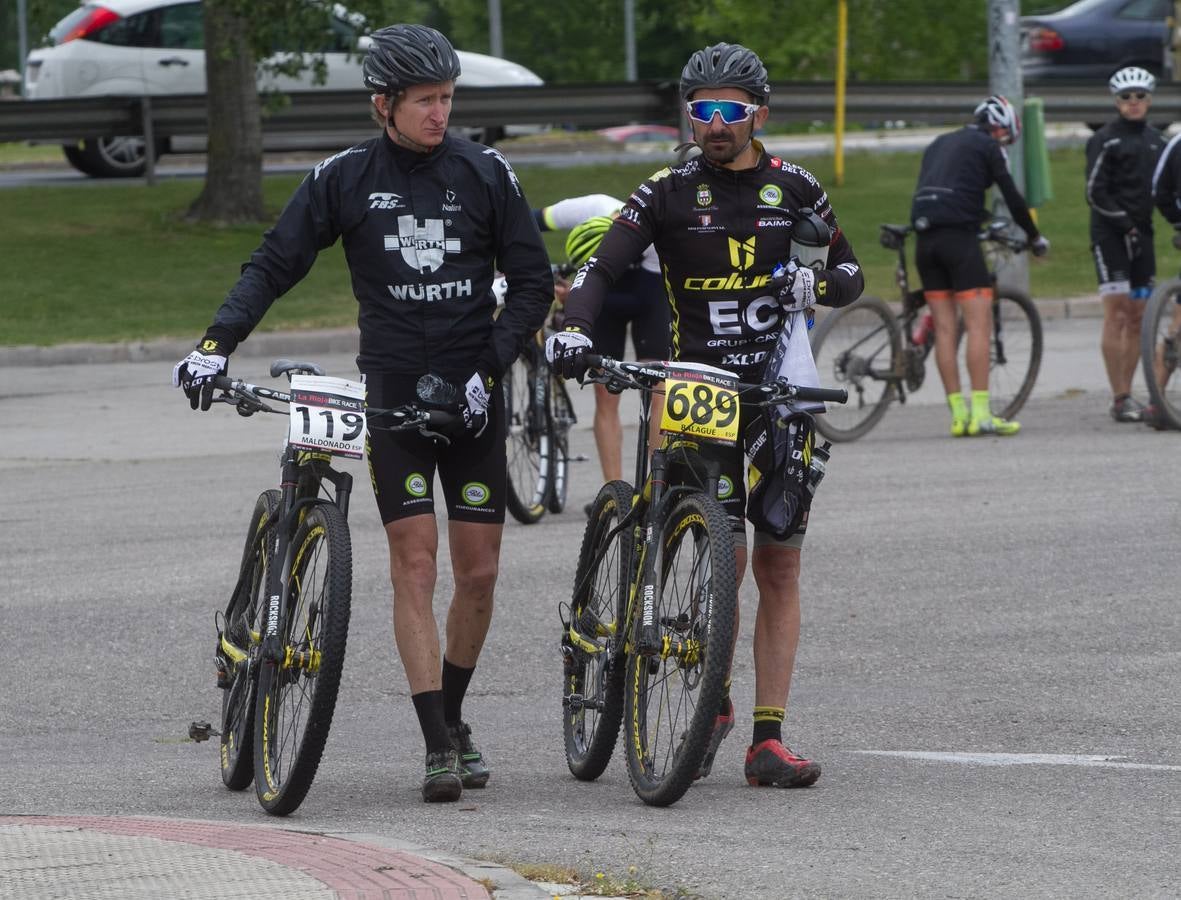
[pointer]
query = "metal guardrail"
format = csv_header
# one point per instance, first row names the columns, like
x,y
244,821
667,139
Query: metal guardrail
x,y
586,105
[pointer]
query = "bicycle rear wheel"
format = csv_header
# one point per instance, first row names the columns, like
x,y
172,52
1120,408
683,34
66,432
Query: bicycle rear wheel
x,y
297,696
238,643
592,698
562,419
672,697
1015,352
527,433
1160,350
858,348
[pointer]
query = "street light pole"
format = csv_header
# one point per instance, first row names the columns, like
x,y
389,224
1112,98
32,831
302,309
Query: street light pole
x,y
629,38
1004,77
495,35
22,31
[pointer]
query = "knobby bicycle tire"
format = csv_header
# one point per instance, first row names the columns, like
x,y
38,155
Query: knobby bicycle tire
x,y
242,625
672,699
561,419
1015,351
592,699
296,699
1160,350
527,434
857,347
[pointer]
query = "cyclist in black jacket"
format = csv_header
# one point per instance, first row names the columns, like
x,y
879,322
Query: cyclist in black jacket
x,y
720,223
947,210
425,219
1121,158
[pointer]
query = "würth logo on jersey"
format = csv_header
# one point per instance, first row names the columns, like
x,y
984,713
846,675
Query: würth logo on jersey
x,y
422,243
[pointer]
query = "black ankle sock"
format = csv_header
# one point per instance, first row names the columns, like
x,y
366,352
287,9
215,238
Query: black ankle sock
x,y
429,706
768,724
455,682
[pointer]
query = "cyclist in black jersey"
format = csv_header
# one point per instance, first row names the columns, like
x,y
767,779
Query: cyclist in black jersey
x,y
425,218
1121,158
947,209
721,222
636,302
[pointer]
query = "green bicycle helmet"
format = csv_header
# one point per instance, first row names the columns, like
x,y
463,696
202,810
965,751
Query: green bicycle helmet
x,y
584,239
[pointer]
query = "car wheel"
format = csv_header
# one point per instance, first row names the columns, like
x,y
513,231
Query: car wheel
x,y
112,157
489,136
77,158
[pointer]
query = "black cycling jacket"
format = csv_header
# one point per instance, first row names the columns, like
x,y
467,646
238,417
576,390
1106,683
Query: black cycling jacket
x,y
956,171
718,233
1166,183
1121,157
422,234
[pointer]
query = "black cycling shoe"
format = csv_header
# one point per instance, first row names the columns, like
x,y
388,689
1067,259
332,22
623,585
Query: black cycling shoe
x,y
473,769
443,782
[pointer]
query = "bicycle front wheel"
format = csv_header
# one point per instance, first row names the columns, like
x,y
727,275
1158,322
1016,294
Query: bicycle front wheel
x,y
857,347
673,693
297,694
238,644
1160,350
1015,352
562,419
592,699
527,433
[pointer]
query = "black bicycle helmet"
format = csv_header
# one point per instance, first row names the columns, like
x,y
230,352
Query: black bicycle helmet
x,y
403,55
726,65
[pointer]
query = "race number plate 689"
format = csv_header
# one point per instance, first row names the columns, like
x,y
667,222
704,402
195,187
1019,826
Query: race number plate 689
x,y
328,414
700,409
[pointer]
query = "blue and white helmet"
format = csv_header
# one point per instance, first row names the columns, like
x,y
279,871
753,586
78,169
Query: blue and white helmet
x,y
1132,78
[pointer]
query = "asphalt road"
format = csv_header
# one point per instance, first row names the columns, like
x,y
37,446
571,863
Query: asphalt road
x,y
988,671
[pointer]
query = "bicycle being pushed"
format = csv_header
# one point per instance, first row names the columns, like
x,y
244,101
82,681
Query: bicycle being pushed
x,y
880,354
648,635
281,636
1160,352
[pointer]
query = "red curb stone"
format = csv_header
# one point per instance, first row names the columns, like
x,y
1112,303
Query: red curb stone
x,y
355,871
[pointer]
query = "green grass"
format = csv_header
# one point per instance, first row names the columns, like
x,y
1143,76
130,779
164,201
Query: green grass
x,y
14,153
113,262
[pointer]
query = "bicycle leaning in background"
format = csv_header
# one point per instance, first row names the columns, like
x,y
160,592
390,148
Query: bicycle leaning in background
x,y
648,635
539,415
1160,351
879,354
281,635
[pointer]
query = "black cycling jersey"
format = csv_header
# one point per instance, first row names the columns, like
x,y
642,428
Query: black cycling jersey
x,y
422,234
957,169
719,234
1121,158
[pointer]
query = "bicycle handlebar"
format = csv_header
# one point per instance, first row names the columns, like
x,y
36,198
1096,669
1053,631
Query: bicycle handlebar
x,y
645,375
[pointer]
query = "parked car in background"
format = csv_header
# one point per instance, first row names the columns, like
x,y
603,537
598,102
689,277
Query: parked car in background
x,y
641,134
1091,39
153,47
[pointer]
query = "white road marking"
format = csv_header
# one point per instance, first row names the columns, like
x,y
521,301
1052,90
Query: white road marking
x,y
1022,759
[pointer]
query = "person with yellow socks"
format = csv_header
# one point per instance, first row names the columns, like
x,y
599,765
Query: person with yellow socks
x,y
981,421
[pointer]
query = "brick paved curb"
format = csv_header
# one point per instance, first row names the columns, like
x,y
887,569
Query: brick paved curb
x,y
348,866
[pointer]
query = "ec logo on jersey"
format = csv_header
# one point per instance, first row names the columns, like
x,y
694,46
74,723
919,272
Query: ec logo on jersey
x,y
742,253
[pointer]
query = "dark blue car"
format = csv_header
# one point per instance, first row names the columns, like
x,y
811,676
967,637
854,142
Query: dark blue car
x,y
1092,38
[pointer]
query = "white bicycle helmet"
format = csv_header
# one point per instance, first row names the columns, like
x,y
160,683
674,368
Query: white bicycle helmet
x,y
1132,78
998,112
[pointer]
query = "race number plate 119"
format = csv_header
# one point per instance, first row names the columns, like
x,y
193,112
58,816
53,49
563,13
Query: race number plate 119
x,y
328,414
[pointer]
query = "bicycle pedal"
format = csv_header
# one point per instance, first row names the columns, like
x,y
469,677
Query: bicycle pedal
x,y
201,731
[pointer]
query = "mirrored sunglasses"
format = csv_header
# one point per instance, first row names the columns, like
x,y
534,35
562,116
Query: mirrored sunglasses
x,y
1132,95
731,111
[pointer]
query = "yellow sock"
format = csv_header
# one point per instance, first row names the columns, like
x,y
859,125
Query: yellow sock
x,y
981,411
956,403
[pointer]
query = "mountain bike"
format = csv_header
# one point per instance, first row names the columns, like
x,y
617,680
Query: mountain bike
x,y
539,415
281,636
880,354
648,635
1160,350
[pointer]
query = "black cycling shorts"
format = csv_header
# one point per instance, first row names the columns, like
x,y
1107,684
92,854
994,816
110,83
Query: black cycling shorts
x,y
950,259
638,299
402,464
1116,273
732,483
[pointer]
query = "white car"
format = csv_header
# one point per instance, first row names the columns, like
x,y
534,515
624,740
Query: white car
x,y
138,47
